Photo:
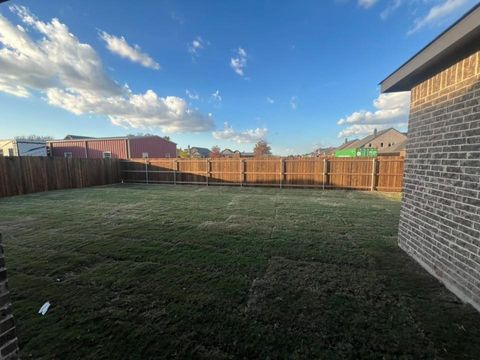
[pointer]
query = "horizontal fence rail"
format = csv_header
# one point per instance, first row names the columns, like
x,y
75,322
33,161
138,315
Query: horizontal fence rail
x,y
24,175
382,173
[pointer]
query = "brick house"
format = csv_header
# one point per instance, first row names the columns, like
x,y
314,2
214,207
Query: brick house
x,y
440,216
384,141
230,153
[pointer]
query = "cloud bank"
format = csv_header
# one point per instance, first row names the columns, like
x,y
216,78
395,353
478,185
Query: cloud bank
x,y
119,46
196,46
391,111
244,137
239,63
367,3
437,13
70,75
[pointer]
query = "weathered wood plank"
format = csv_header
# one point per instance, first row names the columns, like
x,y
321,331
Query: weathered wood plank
x,y
337,173
24,175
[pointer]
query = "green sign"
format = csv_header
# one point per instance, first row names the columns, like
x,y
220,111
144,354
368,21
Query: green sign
x,y
360,152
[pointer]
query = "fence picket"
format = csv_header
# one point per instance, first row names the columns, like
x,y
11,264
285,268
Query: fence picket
x,y
382,173
24,175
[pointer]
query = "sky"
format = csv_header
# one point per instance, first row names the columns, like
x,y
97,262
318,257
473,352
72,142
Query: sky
x,y
298,74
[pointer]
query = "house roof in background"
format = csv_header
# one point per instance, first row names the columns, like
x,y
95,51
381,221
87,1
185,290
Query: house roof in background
x,y
24,141
371,137
459,40
202,151
347,144
75,137
86,138
398,147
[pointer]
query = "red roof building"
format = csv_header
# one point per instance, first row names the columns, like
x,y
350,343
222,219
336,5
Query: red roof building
x,y
114,147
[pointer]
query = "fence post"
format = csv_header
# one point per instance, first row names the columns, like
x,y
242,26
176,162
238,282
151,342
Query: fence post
x,y
324,173
282,172
146,170
208,170
374,173
242,171
175,172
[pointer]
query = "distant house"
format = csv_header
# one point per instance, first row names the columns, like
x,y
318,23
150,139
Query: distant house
x,y
245,154
330,150
384,141
77,137
348,144
198,152
113,147
230,153
23,148
397,149
323,151
227,153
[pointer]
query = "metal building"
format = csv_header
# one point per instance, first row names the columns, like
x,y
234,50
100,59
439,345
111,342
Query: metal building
x,y
114,147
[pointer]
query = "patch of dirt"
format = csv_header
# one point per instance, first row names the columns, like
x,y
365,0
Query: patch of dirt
x,y
235,223
240,219
235,200
125,211
392,196
25,223
326,201
219,225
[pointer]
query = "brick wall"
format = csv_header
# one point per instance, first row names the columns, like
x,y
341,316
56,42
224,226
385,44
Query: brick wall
x,y
8,336
440,217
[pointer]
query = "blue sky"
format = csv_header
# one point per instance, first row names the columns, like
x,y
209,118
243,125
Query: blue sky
x,y
301,74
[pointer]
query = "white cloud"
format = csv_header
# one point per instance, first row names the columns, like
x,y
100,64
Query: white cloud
x,y
71,76
58,58
196,46
391,8
294,102
367,3
244,137
239,63
120,46
270,100
391,110
178,18
364,130
148,110
216,96
192,95
437,13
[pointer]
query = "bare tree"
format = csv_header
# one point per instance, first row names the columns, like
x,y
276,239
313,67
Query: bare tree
x,y
215,152
262,149
140,134
34,137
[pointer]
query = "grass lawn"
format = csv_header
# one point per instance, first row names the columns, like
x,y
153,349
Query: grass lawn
x,y
142,272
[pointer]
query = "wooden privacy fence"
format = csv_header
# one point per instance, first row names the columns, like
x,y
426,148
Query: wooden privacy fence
x,y
382,173
23,175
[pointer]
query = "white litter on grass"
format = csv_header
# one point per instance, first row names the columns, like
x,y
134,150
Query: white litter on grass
x,y
43,310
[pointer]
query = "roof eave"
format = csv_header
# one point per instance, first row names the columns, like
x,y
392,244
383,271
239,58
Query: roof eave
x,y
458,41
